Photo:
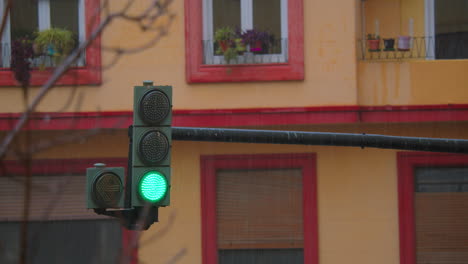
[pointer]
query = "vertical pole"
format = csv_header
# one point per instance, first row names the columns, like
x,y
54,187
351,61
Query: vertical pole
x,y
128,181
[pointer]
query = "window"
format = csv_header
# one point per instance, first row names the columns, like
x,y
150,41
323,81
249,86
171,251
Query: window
x,y
259,209
27,17
447,29
57,214
281,59
433,200
263,16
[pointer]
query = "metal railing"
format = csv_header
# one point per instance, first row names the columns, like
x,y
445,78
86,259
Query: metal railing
x,y
41,61
274,53
5,54
443,46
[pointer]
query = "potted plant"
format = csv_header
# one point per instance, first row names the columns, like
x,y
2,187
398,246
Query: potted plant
x,y
373,42
223,36
229,43
404,43
258,41
389,44
54,42
21,56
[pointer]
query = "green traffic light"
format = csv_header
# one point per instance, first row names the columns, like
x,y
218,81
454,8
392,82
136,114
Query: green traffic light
x,y
153,186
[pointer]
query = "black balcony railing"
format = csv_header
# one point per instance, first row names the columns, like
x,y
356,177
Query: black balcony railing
x,y
443,46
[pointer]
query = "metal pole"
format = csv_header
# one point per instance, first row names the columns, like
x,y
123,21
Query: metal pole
x,y
320,139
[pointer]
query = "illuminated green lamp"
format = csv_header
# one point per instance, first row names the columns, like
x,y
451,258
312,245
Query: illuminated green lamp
x,y
153,187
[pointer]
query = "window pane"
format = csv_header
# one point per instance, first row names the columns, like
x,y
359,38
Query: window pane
x,y
64,14
63,242
267,17
226,13
24,20
451,29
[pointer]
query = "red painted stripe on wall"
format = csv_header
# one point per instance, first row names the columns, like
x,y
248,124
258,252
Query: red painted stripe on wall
x,y
248,117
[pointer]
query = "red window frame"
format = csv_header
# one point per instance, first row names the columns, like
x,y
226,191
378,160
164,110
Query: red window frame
x,y
75,166
407,162
197,72
88,74
209,167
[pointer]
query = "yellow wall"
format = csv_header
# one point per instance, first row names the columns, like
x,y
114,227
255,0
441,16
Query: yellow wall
x,y
413,82
413,9
387,12
357,191
394,17
330,71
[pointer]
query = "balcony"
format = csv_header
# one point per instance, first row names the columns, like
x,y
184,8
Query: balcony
x,y
437,29
442,46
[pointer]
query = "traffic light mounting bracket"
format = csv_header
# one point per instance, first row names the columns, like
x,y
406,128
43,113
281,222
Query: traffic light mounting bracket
x,y
138,218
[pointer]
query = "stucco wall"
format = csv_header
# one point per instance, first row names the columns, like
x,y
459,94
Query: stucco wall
x,y
330,69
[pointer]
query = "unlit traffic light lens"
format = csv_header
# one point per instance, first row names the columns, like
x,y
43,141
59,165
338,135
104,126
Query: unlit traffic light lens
x,y
153,147
154,107
153,186
107,190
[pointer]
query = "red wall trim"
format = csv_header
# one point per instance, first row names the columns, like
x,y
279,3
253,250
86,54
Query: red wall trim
x,y
248,117
196,71
90,74
407,162
72,166
209,166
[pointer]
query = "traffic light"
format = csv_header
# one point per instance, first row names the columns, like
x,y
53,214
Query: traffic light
x,y
151,150
104,187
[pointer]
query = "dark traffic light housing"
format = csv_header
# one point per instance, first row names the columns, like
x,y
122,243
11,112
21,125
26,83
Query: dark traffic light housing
x,y
152,141
135,199
105,187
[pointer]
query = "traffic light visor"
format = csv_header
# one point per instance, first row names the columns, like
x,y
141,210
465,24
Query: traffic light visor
x,y
153,186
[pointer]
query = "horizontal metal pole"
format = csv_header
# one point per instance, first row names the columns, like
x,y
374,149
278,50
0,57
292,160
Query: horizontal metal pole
x,y
320,139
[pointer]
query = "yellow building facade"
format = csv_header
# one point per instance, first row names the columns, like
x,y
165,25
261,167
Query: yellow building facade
x,y
355,204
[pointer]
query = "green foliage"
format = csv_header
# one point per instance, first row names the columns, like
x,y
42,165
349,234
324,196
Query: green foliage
x,y
224,33
229,54
229,42
55,42
372,37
